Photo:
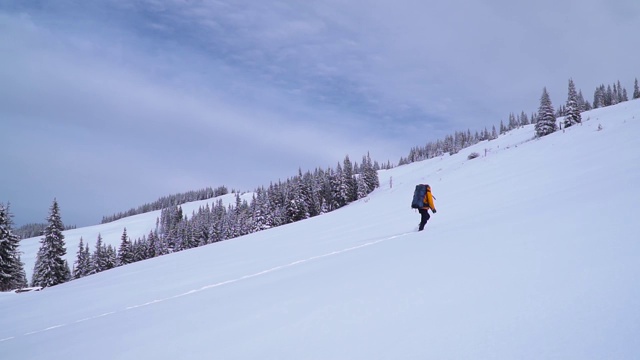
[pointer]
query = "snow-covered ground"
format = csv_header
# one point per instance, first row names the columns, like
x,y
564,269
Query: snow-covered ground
x,y
137,226
534,254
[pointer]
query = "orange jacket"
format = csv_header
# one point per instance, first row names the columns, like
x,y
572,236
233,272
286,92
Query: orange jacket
x,y
428,199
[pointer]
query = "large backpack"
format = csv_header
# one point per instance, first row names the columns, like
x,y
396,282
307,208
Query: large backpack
x,y
418,196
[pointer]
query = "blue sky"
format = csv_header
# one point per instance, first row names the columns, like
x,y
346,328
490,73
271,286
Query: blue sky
x,y
117,103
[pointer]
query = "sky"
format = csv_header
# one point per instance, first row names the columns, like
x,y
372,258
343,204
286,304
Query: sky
x,y
500,271
180,95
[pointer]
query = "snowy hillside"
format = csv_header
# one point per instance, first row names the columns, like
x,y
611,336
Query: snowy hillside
x,y
137,226
533,254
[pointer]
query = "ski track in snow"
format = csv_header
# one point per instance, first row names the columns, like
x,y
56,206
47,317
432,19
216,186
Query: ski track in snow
x,y
212,286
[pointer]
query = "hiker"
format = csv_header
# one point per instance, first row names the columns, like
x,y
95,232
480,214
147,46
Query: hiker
x,y
424,211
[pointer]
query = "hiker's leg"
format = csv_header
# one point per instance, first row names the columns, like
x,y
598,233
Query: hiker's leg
x,y
424,217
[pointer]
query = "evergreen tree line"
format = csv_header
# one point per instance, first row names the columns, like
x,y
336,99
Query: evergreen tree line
x,y
35,229
452,144
171,200
298,198
603,96
547,119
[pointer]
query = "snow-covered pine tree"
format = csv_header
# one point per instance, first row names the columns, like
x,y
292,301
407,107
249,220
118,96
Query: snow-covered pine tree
x,y
51,269
513,123
156,245
20,275
296,205
125,252
338,191
363,189
485,134
260,210
111,257
572,115
599,97
546,123
99,258
239,218
524,119
82,266
139,249
326,189
611,96
636,90
370,174
216,231
12,275
310,194
190,235
349,180
201,227
582,104
89,259
622,93
75,273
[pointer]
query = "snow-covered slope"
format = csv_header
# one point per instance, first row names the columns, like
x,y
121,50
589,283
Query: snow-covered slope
x,y
534,254
137,226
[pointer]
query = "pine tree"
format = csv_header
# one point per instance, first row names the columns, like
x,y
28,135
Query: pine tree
x,y
50,268
125,253
326,190
572,116
513,123
201,228
296,205
546,123
610,98
12,275
188,231
141,249
20,276
99,258
82,266
582,104
503,129
370,174
337,199
621,93
636,90
524,119
363,189
111,257
260,210
349,181
310,194
217,228
156,245
599,97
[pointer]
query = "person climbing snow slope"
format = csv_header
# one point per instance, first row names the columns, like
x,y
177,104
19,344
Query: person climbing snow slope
x,y
427,203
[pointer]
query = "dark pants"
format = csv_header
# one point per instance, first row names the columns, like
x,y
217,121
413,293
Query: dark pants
x,y
424,217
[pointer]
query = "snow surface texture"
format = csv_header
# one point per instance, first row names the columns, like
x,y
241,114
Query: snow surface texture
x,y
534,254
